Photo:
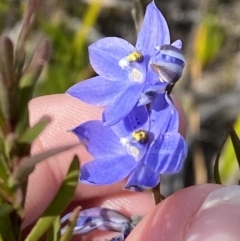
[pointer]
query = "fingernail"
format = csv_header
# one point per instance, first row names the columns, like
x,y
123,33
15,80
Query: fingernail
x,y
218,217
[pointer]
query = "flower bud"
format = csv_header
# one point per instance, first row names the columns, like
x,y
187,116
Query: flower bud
x,y
168,63
102,219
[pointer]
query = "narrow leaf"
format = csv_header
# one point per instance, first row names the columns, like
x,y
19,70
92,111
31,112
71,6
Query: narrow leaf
x,y
6,229
27,23
217,177
7,61
4,106
40,57
59,203
70,226
5,193
236,144
3,127
53,233
137,14
28,164
4,171
31,133
5,209
28,83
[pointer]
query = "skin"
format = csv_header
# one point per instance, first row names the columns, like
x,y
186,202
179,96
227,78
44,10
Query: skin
x,y
173,219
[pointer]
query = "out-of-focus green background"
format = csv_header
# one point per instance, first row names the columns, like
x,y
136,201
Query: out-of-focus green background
x,y
208,90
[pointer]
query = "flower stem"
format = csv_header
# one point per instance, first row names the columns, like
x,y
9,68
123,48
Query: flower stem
x,y
158,197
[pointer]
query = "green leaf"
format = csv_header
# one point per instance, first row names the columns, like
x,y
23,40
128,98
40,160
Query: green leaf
x,y
4,171
29,79
6,193
87,23
228,165
5,209
27,23
53,233
4,106
28,164
7,61
209,38
40,57
70,226
236,144
6,230
3,128
31,133
59,203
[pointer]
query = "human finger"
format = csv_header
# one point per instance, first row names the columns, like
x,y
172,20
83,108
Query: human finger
x,y
66,112
206,212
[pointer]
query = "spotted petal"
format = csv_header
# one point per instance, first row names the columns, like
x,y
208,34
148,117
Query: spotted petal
x,y
121,106
97,90
99,140
138,118
105,55
103,171
154,31
142,178
164,116
166,154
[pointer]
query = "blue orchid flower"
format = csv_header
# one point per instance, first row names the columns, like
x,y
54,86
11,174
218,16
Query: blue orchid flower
x,y
141,146
125,73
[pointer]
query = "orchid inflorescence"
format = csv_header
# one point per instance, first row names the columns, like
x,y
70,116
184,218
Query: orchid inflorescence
x,y
131,84
138,136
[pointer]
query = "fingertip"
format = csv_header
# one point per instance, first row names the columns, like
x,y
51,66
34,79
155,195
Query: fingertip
x,y
170,219
218,217
65,112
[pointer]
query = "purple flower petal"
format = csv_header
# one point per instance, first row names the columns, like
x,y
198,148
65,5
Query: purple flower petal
x,y
122,105
103,171
100,218
97,90
142,178
164,116
105,214
166,154
105,55
177,44
99,140
154,31
150,93
87,224
151,78
138,118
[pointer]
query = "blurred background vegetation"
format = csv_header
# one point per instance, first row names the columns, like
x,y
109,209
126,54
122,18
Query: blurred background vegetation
x,y
208,90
